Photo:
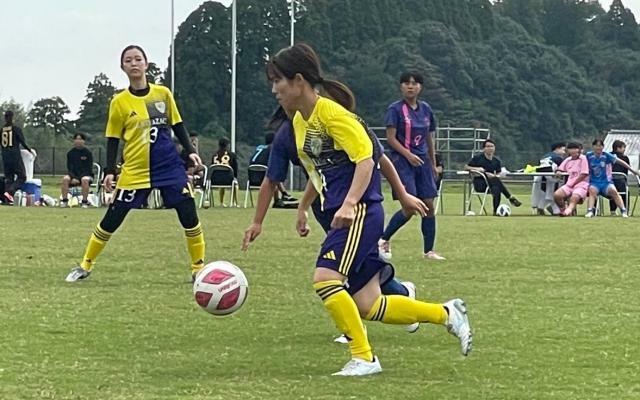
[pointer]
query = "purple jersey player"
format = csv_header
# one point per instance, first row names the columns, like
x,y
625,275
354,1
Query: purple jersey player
x,y
410,126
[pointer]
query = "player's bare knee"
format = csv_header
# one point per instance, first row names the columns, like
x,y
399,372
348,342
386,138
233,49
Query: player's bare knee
x,y
325,274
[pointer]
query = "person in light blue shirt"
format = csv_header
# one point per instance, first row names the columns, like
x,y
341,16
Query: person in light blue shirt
x,y
600,177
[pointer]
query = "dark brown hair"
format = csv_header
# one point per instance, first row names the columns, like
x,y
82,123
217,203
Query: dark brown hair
x,y
302,59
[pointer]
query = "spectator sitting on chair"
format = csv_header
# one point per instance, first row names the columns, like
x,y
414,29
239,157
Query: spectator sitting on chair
x,y
224,156
79,171
545,186
577,185
619,182
10,141
490,166
601,182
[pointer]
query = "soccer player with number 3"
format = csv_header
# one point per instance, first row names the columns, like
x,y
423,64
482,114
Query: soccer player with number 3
x,y
143,116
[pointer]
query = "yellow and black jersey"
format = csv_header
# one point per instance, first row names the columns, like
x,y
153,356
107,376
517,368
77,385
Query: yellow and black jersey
x,y
144,124
330,143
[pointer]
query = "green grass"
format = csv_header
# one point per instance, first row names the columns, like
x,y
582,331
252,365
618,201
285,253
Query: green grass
x,y
553,303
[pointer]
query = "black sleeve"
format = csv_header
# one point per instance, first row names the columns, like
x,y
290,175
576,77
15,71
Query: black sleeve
x,y
181,133
20,138
112,154
474,162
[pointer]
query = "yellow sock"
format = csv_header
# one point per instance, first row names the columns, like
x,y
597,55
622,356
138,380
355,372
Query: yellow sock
x,y
195,246
97,241
404,310
344,312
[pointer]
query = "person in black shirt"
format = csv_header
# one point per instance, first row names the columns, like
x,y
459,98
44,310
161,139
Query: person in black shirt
x,y
10,141
490,166
619,182
225,156
79,170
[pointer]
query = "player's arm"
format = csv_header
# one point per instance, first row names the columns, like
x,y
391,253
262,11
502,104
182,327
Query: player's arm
x,y
627,166
472,166
410,204
309,195
267,187
20,137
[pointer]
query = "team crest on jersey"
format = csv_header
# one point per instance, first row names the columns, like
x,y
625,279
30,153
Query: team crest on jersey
x,y
315,144
160,106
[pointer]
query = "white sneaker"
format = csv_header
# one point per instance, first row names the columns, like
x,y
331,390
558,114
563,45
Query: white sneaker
x,y
64,204
432,255
359,367
458,324
589,214
384,250
411,288
624,214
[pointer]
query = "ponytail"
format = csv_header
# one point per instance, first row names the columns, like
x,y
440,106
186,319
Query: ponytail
x,y
339,92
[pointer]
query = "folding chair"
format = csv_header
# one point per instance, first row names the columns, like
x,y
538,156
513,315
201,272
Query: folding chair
x,y
200,185
635,201
481,195
255,173
601,200
95,188
220,177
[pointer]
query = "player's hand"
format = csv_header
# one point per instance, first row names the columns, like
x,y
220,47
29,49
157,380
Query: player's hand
x,y
33,151
414,160
412,205
302,226
253,231
344,217
107,184
195,158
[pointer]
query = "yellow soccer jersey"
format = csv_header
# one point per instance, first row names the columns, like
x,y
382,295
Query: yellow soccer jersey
x,y
144,124
329,145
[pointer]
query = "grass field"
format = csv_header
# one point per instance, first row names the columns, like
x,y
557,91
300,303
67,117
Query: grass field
x,y
553,302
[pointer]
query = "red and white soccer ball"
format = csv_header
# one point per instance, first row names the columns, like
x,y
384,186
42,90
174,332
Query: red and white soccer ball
x,y
220,288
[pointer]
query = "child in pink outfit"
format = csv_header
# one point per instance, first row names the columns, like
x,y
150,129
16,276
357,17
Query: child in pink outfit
x,y
577,186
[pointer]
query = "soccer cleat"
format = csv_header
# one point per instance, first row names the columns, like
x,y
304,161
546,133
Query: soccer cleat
x,y
624,214
342,339
432,255
64,203
384,250
458,324
85,204
515,201
589,214
411,288
359,367
77,274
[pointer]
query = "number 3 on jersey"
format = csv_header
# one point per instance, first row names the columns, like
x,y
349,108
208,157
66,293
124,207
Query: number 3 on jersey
x,y
153,135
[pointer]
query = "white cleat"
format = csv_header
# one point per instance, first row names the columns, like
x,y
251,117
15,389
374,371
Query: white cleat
x,y
384,250
342,339
77,274
458,324
432,255
359,367
624,214
411,288
589,214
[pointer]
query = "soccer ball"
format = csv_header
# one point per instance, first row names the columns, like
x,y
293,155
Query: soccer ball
x,y
503,210
220,288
